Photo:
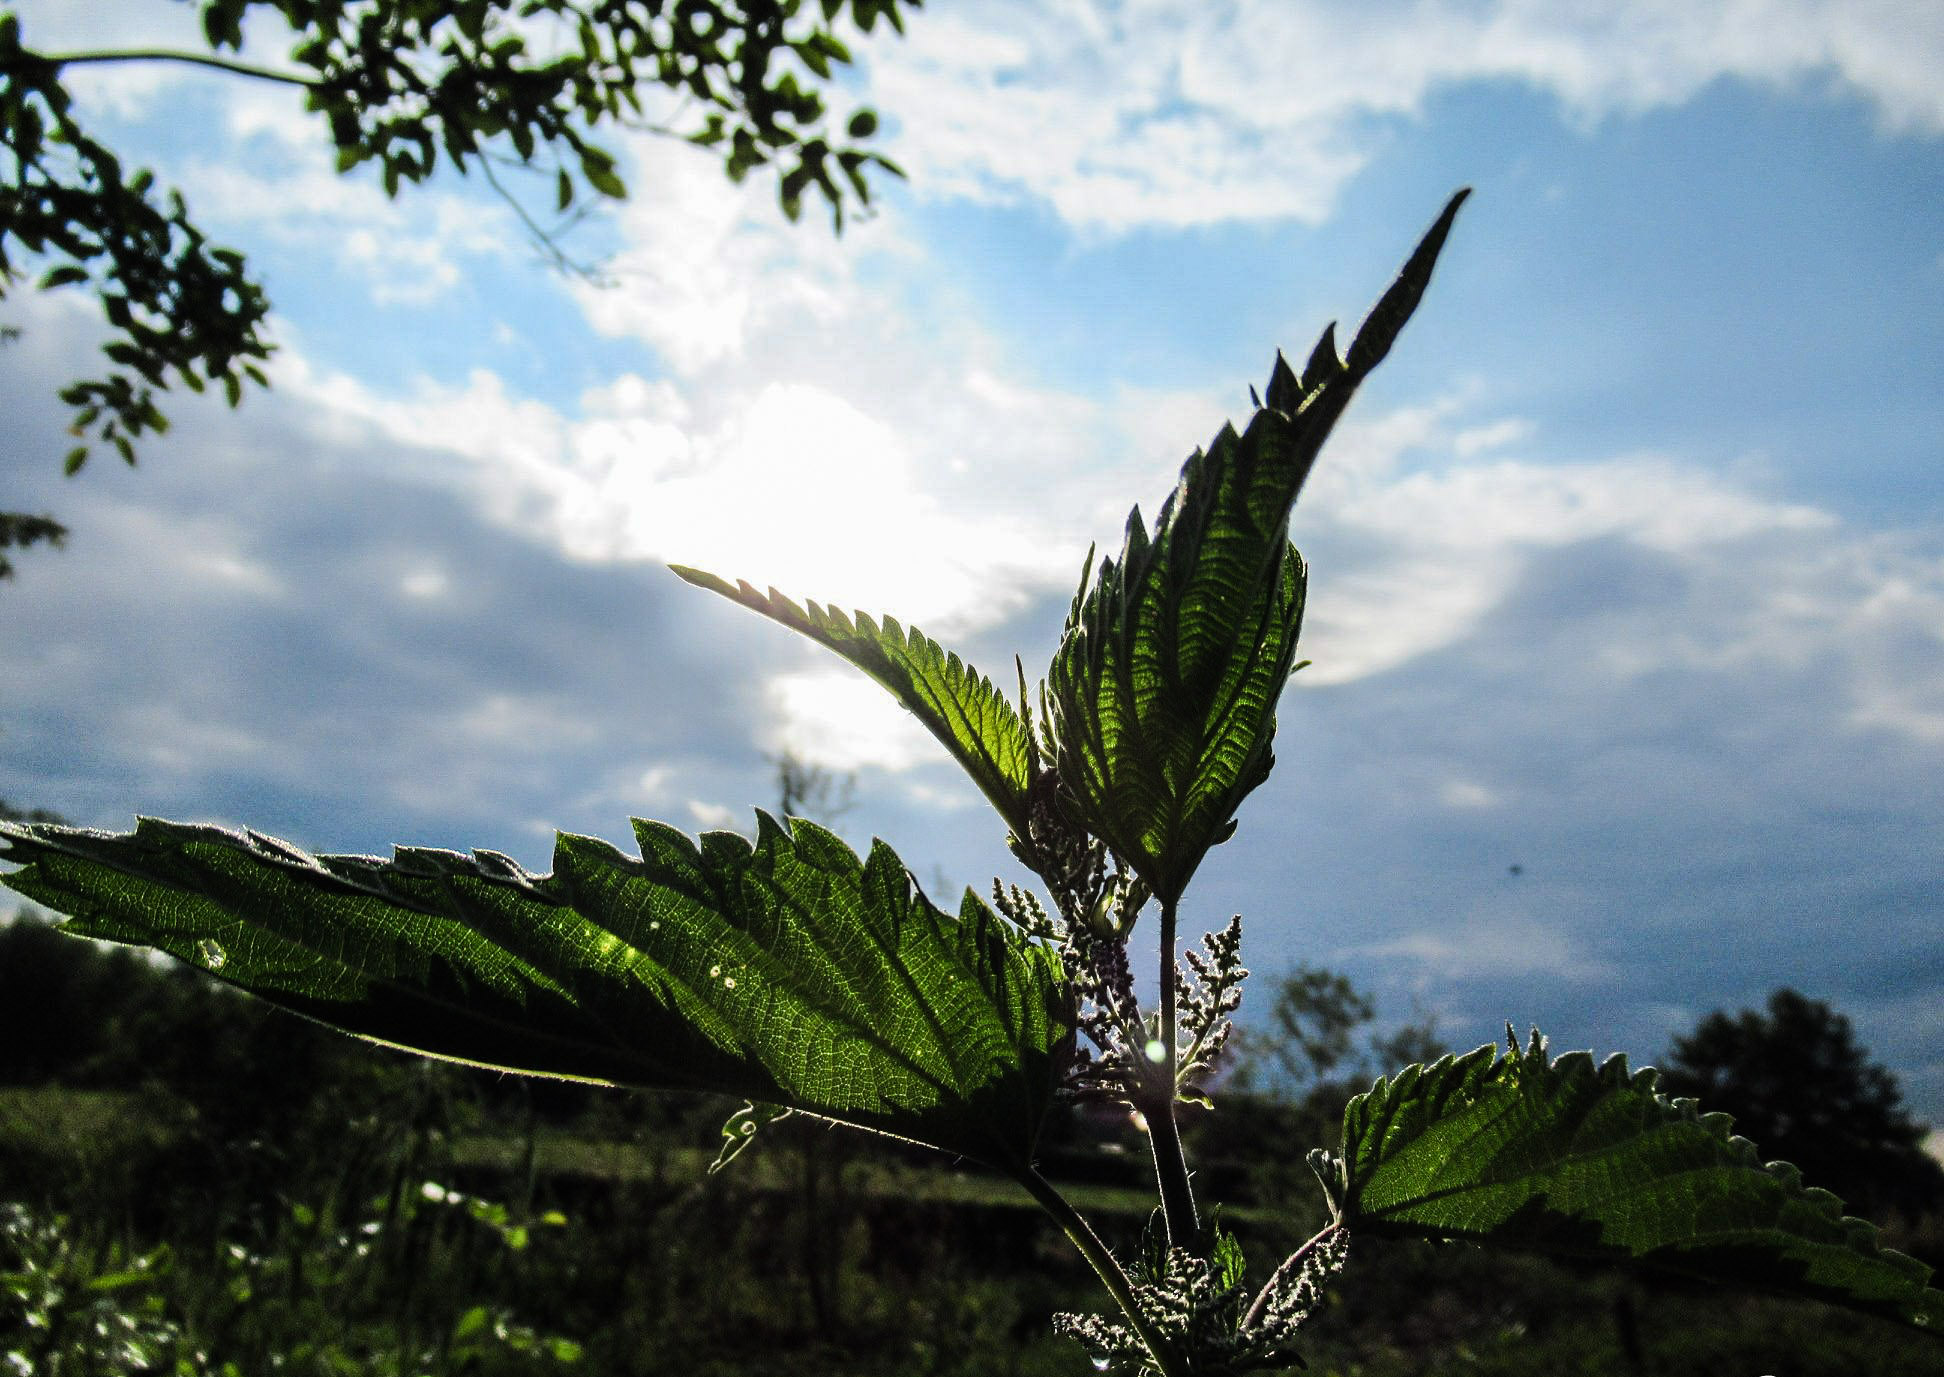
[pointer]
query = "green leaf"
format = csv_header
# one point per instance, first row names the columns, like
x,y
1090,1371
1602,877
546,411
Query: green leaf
x,y
956,703
598,167
122,1280
1589,1161
786,971
1163,694
1163,691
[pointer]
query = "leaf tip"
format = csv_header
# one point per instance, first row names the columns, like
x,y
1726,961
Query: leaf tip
x,y
701,578
1285,393
1323,361
1380,329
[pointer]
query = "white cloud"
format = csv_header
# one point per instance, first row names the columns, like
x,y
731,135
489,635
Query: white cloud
x,y
1466,793
945,496
180,743
496,719
281,183
1894,623
786,483
850,499
1419,555
838,719
1116,113
1475,440
1150,113
706,263
713,817
1492,944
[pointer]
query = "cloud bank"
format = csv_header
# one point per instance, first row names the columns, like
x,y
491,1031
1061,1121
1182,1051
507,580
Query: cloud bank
x,y
1120,116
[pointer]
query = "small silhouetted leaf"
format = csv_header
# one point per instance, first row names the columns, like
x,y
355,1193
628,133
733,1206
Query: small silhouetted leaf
x,y
787,972
1589,1161
1380,329
598,167
956,703
863,124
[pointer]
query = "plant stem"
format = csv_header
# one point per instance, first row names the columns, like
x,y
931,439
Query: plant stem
x,y
1294,1261
1104,1263
1164,1138
222,64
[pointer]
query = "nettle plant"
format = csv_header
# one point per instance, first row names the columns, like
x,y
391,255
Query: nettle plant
x,y
794,974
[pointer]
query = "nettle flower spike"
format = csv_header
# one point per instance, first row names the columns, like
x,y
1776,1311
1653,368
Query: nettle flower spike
x,y
1194,1305
1107,1012
1208,988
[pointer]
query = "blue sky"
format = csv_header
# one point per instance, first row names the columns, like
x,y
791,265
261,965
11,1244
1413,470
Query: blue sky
x,y
1627,567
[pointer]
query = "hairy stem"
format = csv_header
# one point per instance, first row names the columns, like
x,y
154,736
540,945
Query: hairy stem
x,y
1158,1108
1105,1265
222,64
1290,1266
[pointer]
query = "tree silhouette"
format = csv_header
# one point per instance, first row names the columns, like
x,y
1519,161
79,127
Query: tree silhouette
x,y
1311,1043
1805,1092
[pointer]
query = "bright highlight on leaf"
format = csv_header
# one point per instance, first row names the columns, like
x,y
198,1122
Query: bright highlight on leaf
x,y
787,971
1588,1161
956,703
1164,689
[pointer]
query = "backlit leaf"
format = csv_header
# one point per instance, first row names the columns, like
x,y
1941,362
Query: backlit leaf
x,y
1164,689
1589,1161
787,971
956,703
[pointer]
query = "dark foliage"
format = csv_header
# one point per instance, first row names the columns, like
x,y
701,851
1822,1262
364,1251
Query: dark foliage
x,y
1801,1087
53,994
18,530
668,1269
9,813
404,85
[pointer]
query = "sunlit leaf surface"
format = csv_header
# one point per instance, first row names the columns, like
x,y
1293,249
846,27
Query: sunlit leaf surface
x,y
1588,1161
1163,692
787,971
